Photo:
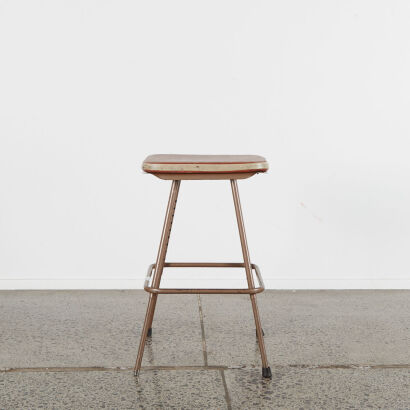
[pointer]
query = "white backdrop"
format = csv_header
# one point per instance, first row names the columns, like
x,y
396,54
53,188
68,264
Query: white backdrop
x,y
88,88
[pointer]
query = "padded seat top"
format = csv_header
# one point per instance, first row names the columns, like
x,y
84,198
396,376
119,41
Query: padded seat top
x,y
204,164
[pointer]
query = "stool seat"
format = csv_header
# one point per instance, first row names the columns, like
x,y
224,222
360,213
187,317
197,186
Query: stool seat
x,y
177,167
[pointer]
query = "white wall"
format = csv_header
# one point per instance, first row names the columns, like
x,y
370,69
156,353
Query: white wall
x,y
89,88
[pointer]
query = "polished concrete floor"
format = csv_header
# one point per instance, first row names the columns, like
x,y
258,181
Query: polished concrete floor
x,y
327,350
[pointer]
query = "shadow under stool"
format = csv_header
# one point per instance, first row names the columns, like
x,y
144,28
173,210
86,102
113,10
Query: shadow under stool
x,y
202,167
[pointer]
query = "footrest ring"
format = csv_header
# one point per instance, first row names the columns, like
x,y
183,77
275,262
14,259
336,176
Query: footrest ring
x,y
248,291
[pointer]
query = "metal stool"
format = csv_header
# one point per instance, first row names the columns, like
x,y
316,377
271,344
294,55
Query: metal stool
x,y
201,167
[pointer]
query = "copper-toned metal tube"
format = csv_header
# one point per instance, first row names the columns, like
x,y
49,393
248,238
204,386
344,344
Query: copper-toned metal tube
x,y
158,270
166,232
204,265
248,269
199,291
154,290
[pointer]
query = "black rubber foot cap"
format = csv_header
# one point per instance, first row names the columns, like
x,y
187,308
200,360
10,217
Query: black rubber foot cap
x,y
266,373
263,333
149,333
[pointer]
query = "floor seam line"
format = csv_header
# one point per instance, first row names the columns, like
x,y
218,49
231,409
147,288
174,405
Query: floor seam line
x,y
227,395
220,368
201,320
105,369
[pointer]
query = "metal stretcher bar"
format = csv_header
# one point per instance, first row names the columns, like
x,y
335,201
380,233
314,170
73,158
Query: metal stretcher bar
x,y
249,291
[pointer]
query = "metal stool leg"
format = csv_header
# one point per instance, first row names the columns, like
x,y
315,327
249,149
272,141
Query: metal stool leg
x,y
266,371
163,246
159,266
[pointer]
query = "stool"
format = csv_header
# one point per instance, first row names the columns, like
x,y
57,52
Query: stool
x,y
202,167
